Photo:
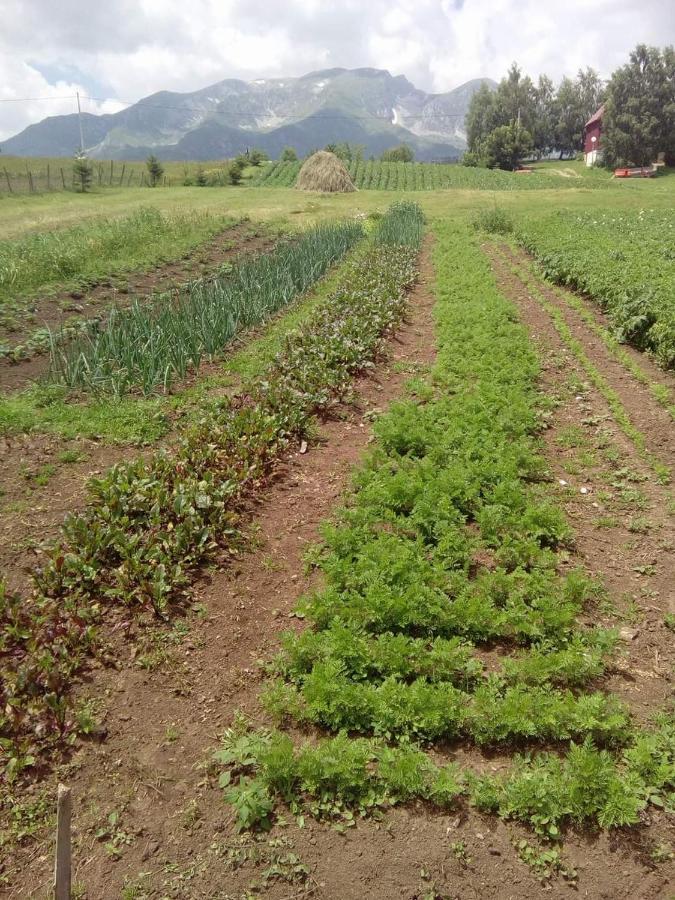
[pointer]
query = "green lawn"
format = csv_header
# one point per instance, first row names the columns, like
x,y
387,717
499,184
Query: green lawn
x,y
42,212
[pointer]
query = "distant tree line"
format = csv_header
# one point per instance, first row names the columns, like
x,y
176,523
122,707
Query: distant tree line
x,y
521,119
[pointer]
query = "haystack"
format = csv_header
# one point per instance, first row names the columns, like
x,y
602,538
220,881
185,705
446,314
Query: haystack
x,y
323,171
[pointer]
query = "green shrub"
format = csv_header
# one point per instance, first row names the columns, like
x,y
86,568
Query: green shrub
x,y
494,221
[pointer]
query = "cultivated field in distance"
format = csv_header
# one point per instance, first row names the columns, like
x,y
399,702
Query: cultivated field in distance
x,y
338,527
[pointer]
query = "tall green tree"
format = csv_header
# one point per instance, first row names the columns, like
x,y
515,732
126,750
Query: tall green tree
x,y
543,128
639,119
480,118
575,102
289,154
507,145
402,153
516,100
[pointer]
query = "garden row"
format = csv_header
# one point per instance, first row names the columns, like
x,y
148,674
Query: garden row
x,y
443,615
391,176
151,522
149,345
84,253
624,261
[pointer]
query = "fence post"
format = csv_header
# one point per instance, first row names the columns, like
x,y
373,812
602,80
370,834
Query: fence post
x,y
63,179
100,174
9,183
111,170
131,175
30,181
62,871
124,165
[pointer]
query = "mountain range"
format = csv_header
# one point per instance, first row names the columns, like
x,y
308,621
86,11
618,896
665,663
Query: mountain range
x,y
365,106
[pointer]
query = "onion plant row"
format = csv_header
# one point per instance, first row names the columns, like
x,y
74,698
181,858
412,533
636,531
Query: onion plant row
x,y
444,613
151,522
148,346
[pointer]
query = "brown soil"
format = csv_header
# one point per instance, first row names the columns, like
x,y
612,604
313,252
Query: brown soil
x,y
163,724
648,416
52,311
624,527
38,488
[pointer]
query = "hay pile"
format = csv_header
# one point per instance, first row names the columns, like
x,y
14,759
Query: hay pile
x,y
323,171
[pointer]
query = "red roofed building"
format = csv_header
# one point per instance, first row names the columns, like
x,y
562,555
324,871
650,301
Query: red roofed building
x,y
592,132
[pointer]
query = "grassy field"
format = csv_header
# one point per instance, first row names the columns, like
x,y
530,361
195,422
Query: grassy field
x,y
488,638
19,215
79,255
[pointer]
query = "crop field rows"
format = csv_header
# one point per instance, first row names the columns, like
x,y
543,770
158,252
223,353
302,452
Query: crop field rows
x,y
469,684
625,262
191,497
390,176
57,280
391,651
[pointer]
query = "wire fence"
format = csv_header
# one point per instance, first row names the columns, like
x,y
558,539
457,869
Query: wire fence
x,y
58,176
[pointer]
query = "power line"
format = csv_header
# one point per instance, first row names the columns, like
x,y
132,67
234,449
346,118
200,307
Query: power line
x,y
32,99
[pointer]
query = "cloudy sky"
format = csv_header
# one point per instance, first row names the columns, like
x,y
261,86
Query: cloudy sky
x,y
121,50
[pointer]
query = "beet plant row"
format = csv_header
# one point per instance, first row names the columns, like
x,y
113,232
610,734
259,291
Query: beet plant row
x,y
151,522
444,614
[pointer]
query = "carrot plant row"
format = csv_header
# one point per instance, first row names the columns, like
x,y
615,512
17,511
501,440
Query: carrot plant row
x,y
443,615
151,522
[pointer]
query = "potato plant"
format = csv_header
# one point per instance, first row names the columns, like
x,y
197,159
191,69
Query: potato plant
x,y
624,261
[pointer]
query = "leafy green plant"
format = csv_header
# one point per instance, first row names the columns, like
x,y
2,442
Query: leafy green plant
x,y
448,544
494,221
622,261
150,522
83,173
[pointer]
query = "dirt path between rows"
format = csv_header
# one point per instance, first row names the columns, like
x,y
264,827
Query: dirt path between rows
x,y
176,835
648,416
43,476
52,311
624,526
154,779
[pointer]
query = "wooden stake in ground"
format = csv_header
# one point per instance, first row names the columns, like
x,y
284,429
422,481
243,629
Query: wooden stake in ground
x,y
62,854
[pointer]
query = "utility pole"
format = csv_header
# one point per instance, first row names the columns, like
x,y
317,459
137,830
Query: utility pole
x,y
79,120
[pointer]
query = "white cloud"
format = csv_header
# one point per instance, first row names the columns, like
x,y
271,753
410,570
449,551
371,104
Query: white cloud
x,y
137,47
